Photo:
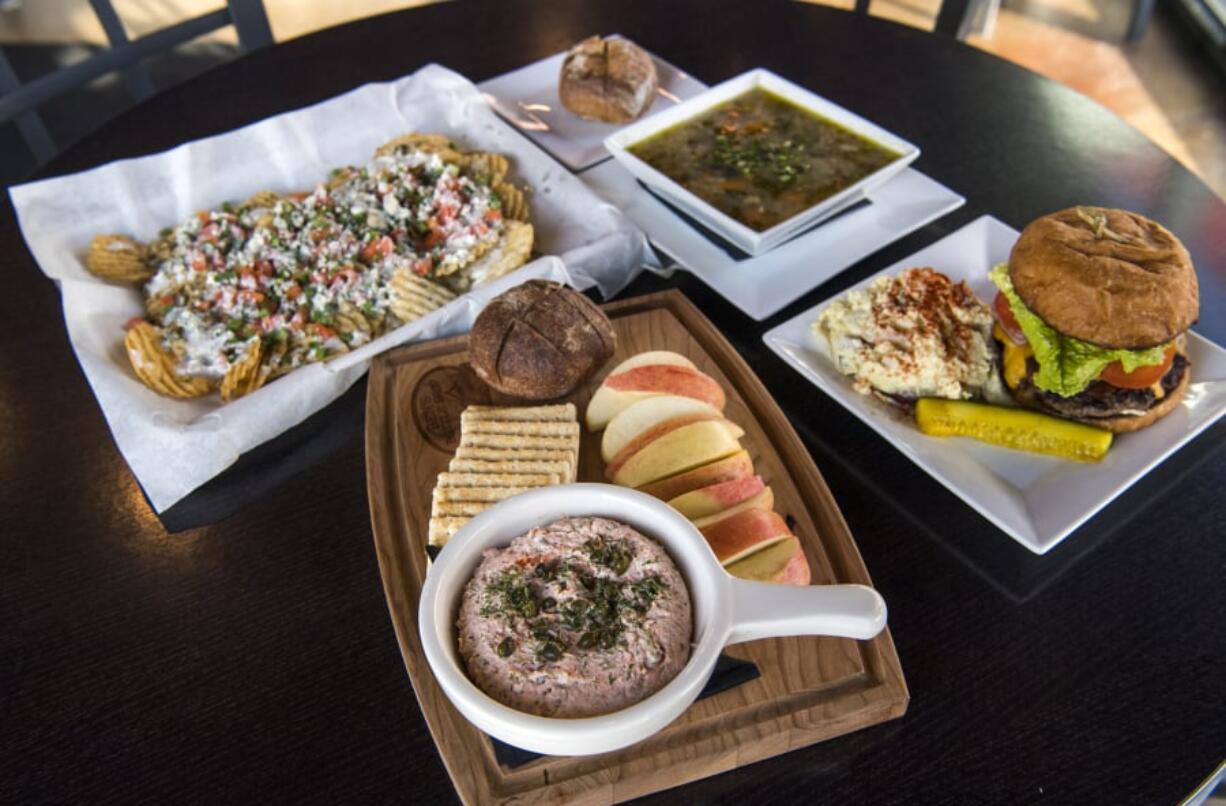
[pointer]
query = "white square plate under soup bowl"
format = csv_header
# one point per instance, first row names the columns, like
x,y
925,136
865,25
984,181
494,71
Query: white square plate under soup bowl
x,y
744,237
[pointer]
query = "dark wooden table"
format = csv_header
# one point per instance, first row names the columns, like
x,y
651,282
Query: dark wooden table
x,y
253,656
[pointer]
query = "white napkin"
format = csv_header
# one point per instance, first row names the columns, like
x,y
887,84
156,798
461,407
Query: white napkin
x,y
174,446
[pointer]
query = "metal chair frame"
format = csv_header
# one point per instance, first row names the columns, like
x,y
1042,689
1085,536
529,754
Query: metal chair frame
x,y
19,102
955,18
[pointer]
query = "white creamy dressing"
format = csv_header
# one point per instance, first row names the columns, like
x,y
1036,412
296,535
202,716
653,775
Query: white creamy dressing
x,y
286,272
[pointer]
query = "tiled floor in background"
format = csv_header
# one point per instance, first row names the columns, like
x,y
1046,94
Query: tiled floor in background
x,y
1158,84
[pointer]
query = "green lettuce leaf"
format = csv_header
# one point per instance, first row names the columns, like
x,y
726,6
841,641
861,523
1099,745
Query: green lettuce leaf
x,y
1066,365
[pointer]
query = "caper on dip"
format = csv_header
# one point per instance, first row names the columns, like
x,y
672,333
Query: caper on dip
x,y
579,618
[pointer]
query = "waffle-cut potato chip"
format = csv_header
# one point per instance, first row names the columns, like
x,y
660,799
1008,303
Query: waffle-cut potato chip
x,y
514,205
244,376
275,365
156,368
415,141
485,166
119,258
350,320
263,199
413,297
512,252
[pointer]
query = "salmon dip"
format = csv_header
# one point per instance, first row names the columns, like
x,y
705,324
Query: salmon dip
x,y
582,617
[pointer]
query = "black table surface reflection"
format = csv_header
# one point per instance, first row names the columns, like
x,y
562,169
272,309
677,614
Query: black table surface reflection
x,y
243,647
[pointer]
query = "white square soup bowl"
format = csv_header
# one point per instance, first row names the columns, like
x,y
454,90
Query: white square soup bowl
x,y
746,238
726,611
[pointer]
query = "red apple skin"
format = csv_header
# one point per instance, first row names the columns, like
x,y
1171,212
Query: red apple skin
x,y
669,379
736,466
733,538
772,565
719,496
763,499
650,435
796,572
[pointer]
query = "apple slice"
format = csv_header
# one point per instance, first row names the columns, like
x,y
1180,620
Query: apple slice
x,y
716,497
742,534
679,450
643,440
736,466
763,499
653,357
783,563
623,388
640,417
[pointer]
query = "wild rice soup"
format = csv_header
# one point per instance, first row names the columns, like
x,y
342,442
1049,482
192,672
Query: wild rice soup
x,y
761,159
582,617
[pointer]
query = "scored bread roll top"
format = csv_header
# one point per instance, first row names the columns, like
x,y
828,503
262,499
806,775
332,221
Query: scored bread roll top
x,y
539,340
611,80
1108,277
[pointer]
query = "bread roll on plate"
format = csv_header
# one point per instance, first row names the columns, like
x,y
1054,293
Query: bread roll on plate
x,y
610,80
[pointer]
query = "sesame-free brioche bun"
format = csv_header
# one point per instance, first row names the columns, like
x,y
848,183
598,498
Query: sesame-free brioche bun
x,y
1108,277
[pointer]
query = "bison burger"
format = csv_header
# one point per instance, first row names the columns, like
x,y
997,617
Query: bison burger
x,y
1091,313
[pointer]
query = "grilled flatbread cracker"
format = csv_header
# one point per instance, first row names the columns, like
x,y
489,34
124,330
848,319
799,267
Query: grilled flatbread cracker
x,y
562,468
563,411
552,443
458,509
478,493
449,479
441,529
520,428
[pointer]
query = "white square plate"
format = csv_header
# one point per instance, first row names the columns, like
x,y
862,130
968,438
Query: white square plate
x,y
527,98
746,238
761,285
1036,500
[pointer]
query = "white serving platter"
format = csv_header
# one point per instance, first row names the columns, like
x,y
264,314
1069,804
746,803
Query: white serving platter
x,y
762,285
1036,500
527,98
744,237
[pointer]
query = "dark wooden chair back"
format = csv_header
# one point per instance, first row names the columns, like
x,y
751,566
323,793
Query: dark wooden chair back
x,y
19,102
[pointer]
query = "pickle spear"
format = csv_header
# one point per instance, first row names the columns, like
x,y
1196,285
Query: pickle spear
x,y
1012,428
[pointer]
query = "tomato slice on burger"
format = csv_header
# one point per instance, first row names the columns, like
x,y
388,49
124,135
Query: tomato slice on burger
x,y
1008,322
1141,377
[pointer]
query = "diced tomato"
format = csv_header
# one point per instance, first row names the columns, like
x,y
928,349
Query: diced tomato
x,y
493,215
202,216
1008,322
1141,377
423,267
209,232
347,275
264,268
133,322
293,291
198,262
253,297
323,331
317,235
379,248
298,320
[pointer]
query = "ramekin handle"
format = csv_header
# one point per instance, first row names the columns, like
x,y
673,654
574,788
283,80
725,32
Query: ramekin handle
x,y
767,610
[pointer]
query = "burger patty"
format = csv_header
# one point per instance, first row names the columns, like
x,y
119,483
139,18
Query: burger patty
x,y
1101,399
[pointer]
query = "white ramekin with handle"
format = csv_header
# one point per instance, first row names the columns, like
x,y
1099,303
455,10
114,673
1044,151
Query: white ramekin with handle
x,y
726,611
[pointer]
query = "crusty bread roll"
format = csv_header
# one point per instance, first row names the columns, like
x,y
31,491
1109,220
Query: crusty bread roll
x,y
611,80
539,340
1109,277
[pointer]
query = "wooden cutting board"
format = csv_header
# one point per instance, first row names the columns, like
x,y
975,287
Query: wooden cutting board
x,y
810,689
